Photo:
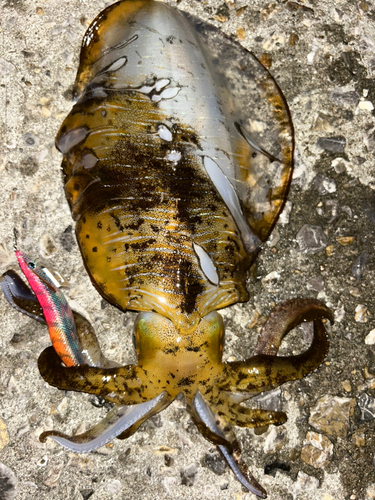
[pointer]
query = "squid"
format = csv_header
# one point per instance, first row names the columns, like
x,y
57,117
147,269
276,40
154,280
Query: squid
x,y
177,160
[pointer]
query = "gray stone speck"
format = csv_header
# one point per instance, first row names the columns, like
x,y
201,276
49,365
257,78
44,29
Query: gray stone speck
x,y
47,245
168,460
30,139
270,400
188,475
29,166
67,239
367,406
342,97
275,440
316,284
214,462
304,483
86,494
333,144
224,485
311,239
359,265
324,185
8,483
5,68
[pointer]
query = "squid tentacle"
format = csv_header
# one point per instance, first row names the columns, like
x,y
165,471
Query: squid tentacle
x,y
284,317
119,421
208,432
207,416
264,372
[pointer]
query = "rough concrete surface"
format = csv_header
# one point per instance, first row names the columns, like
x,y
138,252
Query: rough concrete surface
x,y
322,54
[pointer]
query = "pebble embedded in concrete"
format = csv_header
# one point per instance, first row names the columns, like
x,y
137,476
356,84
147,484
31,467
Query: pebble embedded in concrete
x,y
324,185
8,483
370,338
333,144
361,314
276,439
305,482
367,406
317,450
311,239
4,436
331,415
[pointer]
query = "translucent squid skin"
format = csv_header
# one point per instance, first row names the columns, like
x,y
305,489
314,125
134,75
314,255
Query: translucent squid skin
x,y
177,159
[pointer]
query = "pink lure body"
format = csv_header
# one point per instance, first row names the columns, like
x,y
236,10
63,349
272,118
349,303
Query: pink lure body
x,y
58,315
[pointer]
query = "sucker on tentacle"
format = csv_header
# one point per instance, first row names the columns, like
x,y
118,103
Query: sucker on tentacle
x,y
177,160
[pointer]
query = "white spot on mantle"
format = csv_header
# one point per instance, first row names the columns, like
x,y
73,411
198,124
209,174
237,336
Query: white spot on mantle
x,y
173,156
206,263
164,133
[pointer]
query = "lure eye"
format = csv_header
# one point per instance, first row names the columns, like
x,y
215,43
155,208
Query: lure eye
x,y
32,265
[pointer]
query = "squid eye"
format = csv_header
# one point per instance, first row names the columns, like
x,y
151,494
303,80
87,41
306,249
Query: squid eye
x,y
32,265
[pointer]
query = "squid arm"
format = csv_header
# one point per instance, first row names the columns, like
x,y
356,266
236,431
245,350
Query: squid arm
x,y
242,416
20,297
210,421
263,372
120,385
121,421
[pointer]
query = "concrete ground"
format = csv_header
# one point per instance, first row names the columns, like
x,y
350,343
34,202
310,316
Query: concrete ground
x,y
322,54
